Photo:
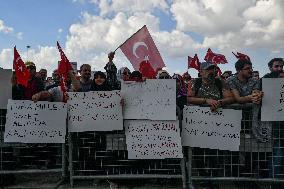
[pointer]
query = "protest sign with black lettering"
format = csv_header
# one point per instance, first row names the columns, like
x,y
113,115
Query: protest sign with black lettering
x,y
272,108
41,122
205,129
153,99
6,87
148,139
94,111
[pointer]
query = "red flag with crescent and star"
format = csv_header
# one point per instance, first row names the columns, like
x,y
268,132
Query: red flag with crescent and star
x,y
215,58
22,73
63,68
141,49
194,62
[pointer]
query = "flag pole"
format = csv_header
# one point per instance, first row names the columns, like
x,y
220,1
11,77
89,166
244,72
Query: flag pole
x,y
129,38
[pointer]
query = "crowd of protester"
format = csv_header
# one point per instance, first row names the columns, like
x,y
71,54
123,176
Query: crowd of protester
x,y
240,86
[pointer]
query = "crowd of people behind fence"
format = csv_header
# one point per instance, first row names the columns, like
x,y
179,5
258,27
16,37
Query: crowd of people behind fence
x,y
208,89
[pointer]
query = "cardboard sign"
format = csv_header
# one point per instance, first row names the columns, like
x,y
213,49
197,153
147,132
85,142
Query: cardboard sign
x,y
94,111
6,87
153,99
41,122
147,139
272,108
205,129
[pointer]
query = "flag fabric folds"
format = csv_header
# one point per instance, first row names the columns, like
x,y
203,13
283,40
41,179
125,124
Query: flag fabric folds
x,y
215,58
63,69
241,56
140,49
21,71
194,62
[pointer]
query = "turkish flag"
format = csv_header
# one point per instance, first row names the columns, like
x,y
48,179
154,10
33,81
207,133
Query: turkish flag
x,y
241,56
147,70
194,62
215,58
63,68
141,47
22,73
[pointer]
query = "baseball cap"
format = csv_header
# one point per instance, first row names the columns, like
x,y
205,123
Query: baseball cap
x,y
206,65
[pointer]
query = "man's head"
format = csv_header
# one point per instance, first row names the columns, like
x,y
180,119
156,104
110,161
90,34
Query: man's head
x,y
208,70
244,68
43,74
276,65
55,76
163,74
186,77
31,67
85,71
255,74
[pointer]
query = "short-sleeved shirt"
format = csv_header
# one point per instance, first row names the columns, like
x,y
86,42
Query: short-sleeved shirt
x,y
244,88
210,91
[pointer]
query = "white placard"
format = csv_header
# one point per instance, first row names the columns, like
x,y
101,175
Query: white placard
x,y
95,111
6,87
41,122
147,139
205,129
154,99
272,108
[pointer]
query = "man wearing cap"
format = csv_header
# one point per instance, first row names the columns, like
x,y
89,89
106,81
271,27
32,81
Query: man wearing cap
x,y
209,90
35,84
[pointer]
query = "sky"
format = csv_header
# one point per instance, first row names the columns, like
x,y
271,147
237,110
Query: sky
x,y
89,29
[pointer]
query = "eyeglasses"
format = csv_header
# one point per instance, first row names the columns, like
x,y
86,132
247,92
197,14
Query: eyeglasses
x,y
126,73
164,77
248,68
31,67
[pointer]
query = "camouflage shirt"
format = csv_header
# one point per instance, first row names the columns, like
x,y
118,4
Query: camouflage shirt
x,y
244,88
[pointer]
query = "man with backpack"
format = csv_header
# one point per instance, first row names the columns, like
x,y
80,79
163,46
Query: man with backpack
x,y
209,90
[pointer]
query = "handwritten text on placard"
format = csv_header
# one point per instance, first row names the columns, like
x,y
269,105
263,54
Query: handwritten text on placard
x,y
215,130
95,111
41,122
147,139
154,99
272,108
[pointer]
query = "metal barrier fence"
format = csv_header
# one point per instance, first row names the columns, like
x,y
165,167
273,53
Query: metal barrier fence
x,y
16,158
255,161
95,155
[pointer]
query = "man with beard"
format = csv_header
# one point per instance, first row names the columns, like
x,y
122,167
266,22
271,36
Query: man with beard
x,y
275,66
85,80
209,90
245,88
